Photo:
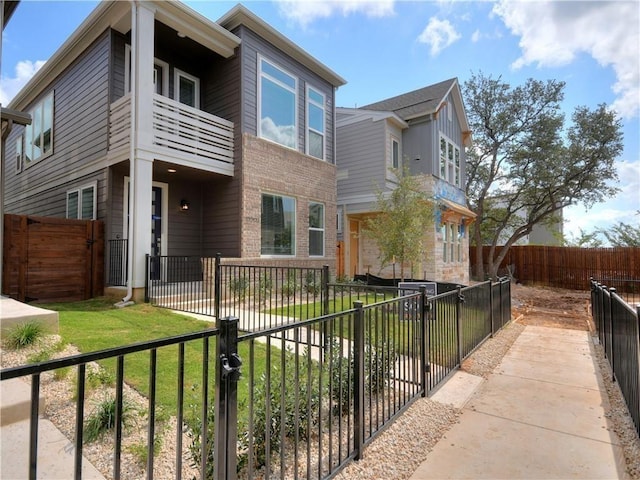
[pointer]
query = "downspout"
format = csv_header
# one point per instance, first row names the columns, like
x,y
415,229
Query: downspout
x,y
132,150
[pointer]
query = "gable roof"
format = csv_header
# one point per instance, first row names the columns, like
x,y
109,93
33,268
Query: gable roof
x,y
425,101
419,102
355,115
240,15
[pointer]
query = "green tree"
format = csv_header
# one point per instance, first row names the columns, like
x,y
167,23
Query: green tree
x,y
622,234
523,153
405,214
584,240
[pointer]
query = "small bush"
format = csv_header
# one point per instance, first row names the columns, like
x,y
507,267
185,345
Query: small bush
x,y
103,418
24,335
61,373
380,363
141,453
46,353
193,422
265,284
239,287
312,284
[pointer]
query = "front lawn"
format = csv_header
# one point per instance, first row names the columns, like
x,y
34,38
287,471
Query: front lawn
x,y
96,325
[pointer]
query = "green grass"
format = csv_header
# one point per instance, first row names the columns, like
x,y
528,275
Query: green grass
x,y
23,335
96,325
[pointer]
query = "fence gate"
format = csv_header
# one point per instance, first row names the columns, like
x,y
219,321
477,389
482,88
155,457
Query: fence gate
x,y
52,259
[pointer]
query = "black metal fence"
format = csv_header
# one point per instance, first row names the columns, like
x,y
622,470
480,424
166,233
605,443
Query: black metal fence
x,y
619,333
117,261
300,398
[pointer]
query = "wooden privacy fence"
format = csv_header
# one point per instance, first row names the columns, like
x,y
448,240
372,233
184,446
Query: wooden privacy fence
x,y
567,267
52,259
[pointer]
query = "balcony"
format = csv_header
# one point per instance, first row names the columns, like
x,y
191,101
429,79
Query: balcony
x,y
181,134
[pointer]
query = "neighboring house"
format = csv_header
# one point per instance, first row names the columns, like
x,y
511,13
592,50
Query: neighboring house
x,y
184,135
426,131
550,233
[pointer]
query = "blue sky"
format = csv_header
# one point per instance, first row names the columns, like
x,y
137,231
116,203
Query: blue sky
x,y
385,47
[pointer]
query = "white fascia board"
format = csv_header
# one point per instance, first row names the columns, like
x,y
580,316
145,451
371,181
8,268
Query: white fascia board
x,y
240,15
373,115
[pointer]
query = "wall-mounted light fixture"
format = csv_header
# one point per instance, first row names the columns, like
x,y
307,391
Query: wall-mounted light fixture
x,y
184,205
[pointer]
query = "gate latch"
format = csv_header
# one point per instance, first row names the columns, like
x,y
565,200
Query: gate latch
x,y
231,366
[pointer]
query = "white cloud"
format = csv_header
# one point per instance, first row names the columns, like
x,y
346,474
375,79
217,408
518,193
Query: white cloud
x,y
621,208
305,12
282,134
553,33
439,34
9,86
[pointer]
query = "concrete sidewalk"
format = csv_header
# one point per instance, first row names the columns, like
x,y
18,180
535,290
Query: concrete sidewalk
x,y
540,415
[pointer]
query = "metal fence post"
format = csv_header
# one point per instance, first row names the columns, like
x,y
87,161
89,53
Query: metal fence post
x,y
228,365
146,279
217,286
459,301
326,341
491,307
359,366
424,342
612,358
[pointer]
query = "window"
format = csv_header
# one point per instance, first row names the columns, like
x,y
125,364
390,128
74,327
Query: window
x,y
277,105
39,135
160,74
19,155
445,242
316,229
339,220
186,89
315,123
449,161
278,225
81,203
395,153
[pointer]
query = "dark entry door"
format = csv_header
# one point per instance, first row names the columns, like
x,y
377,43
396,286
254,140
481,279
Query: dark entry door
x,y
156,231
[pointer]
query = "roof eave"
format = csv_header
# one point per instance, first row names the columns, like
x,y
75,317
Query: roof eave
x,y
240,15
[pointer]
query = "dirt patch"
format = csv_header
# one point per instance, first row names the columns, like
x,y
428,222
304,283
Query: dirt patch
x,y
551,307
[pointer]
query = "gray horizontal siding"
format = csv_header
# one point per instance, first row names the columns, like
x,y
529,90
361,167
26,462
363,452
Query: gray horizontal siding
x,y
361,153
252,46
80,137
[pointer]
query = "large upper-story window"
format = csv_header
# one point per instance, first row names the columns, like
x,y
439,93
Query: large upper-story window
x,y
278,225
449,161
277,105
315,123
316,229
81,203
38,141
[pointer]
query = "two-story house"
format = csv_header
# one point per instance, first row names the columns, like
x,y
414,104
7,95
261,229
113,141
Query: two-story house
x,y
426,131
186,136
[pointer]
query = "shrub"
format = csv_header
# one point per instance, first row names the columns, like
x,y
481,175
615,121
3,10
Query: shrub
x,y
239,287
341,377
265,284
103,418
24,335
193,421
380,362
312,284
141,453
300,411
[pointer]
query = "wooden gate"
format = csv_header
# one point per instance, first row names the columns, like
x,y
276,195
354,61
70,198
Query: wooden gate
x,y
52,259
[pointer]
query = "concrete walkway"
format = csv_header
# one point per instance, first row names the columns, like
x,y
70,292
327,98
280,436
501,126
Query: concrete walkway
x,y
540,415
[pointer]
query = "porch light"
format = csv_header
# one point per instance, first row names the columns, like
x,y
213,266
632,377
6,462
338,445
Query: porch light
x,y
184,205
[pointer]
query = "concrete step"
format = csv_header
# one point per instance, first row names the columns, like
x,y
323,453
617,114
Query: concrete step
x,y
15,401
13,313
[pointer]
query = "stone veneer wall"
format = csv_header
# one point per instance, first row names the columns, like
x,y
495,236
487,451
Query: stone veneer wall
x,y
271,168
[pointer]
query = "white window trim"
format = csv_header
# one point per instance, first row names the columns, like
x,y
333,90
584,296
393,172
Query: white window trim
x,y
156,61
177,73
395,140
324,121
19,152
164,235
316,229
39,106
450,167
259,99
339,219
79,190
295,227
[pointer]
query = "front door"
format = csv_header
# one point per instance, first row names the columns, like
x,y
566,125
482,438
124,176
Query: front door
x,y
354,247
156,230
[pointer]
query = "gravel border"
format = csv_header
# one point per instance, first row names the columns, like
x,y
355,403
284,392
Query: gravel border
x,y
394,455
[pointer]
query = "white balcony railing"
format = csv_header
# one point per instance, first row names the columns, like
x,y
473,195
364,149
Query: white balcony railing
x,y
178,130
